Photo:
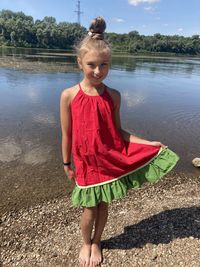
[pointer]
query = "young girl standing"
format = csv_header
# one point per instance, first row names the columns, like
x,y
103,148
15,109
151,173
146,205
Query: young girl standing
x,y
108,160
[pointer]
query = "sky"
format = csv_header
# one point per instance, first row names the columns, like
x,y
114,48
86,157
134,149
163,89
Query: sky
x,y
168,17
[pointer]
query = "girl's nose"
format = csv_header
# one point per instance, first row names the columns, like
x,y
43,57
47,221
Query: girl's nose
x,y
97,70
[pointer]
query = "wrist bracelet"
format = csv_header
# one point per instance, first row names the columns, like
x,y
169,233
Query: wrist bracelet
x,y
67,163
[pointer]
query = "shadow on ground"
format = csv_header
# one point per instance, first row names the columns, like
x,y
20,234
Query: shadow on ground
x,y
158,229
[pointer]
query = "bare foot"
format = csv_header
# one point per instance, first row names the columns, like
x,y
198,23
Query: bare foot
x,y
96,255
84,255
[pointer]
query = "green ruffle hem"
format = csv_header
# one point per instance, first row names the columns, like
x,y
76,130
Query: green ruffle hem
x,y
152,172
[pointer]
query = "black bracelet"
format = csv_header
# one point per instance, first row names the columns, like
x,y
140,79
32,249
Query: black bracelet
x,y
67,163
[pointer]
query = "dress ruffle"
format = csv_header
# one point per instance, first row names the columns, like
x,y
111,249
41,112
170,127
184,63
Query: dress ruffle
x,y
152,172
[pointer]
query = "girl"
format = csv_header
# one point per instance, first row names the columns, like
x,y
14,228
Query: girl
x,y
108,160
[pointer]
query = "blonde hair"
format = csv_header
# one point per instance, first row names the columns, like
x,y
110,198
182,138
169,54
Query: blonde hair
x,y
94,40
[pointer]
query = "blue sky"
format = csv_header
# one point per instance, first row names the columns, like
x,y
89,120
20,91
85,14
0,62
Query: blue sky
x,y
148,17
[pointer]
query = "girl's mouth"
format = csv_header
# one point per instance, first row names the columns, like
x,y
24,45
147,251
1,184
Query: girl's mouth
x,y
97,77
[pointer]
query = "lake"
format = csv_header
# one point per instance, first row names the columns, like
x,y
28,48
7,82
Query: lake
x,y
160,101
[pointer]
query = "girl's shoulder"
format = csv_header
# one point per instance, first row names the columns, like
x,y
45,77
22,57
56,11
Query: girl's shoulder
x,y
68,94
115,95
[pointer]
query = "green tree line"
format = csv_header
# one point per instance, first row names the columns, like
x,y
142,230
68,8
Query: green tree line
x,y
20,30
17,29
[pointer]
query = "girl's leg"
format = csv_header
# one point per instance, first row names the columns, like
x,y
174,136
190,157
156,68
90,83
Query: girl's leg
x,y
87,221
100,222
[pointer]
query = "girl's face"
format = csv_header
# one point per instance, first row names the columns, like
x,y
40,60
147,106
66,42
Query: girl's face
x,y
95,66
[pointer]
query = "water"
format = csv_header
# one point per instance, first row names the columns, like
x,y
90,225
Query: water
x,y
160,101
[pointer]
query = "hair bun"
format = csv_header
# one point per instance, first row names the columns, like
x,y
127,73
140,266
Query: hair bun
x,y
94,40
97,28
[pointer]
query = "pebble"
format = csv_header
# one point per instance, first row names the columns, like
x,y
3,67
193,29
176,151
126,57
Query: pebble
x,y
196,162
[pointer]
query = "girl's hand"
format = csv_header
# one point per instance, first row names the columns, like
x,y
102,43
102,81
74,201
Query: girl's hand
x,y
157,143
70,173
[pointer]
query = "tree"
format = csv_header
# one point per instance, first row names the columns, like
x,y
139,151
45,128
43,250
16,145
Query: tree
x,y
18,29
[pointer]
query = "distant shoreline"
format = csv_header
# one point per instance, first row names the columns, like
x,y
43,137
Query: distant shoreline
x,y
19,63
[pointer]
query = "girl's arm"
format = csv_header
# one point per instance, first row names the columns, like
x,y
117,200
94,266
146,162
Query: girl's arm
x,y
126,135
66,127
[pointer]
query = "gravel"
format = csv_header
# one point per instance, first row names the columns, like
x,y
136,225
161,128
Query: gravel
x,y
157,225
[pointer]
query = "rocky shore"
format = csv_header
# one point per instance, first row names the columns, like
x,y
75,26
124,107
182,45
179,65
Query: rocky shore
x,y
157,225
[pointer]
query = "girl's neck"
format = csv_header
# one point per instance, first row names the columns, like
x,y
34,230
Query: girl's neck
x,y
91,88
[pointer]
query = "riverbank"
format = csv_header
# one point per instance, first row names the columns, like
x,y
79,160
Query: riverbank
x,y
157,225
37,65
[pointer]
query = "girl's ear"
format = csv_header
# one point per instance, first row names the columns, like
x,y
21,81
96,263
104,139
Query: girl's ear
x,y
79,63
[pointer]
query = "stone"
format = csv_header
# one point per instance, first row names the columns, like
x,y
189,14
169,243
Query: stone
x,y
196,162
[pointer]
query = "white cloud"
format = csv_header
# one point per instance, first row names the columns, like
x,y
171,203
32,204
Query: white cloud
x,y
180,29
149,8
138,2
118,20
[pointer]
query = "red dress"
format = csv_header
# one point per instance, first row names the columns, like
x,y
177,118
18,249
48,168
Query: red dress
x,y
100,154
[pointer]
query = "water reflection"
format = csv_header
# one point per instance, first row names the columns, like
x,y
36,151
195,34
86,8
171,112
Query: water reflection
x,y
13,51
9,150
44,118
26,151
37,155
41,55
124,63
132,99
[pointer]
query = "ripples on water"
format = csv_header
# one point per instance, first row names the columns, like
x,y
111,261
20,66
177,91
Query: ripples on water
x,y
160,101
153,90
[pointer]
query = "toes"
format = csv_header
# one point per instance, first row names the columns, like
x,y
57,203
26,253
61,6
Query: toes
x,y
81,263
94,263
98,263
